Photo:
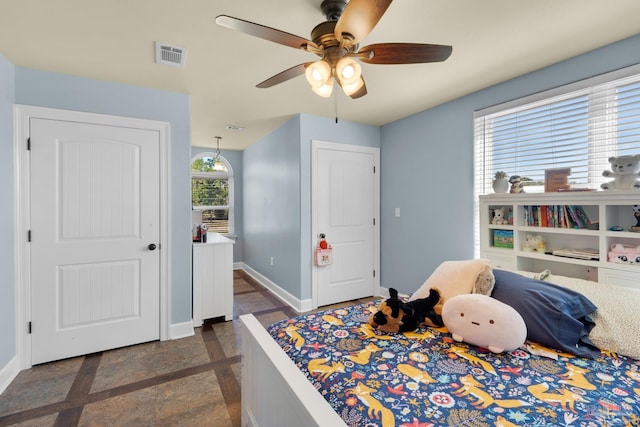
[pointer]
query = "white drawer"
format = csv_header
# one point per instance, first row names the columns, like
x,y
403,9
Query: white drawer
x,y
619,277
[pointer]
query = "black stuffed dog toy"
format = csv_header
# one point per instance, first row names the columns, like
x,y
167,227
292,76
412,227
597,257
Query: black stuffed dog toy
x,y
395,315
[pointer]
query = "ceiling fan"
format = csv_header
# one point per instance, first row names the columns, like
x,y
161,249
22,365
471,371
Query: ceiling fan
x,y
335,41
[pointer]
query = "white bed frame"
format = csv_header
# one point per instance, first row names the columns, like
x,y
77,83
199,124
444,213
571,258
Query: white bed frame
x,y
274,391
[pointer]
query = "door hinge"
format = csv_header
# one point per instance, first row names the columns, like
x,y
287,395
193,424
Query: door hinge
x,y
374,169
28,235
28,144
29,327
374,273
374,221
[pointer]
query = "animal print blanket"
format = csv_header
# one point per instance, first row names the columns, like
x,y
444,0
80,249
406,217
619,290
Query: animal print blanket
x,y
425,378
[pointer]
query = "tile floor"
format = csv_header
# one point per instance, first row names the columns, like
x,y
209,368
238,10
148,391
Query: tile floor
x,y
193,381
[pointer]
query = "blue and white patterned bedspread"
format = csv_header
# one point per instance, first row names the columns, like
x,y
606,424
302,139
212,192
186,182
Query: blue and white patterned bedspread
x,y
425,378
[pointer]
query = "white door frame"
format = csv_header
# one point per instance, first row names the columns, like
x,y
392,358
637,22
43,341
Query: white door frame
x,y
22,116
315,146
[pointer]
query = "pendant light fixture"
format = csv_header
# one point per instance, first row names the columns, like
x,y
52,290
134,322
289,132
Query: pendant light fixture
x,y
218,165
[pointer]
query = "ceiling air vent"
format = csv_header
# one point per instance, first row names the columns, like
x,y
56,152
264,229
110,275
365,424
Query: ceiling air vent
x,y
170,55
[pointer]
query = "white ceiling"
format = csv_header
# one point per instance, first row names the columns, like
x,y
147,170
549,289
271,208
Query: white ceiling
x,y
493,40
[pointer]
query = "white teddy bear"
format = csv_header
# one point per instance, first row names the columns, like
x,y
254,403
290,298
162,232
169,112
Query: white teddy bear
x,y
625,171
498,217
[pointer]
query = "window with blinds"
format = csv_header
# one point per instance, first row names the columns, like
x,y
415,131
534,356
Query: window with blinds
x,y
211,192
578,126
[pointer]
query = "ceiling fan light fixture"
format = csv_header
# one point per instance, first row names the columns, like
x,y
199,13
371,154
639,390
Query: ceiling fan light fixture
x,y
325,90
350,89
348,70
336,41
318,73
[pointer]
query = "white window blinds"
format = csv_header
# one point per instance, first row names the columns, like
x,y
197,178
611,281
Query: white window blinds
x,y
578,126
579,130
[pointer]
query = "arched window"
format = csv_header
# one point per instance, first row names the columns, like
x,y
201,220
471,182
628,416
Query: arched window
x,y
212,191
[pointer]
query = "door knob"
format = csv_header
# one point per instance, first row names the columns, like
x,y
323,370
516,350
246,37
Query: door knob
x,y
152,246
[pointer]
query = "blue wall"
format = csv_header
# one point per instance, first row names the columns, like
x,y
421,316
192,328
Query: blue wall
x,y
277,197
7,276
427,168
45,89
235,159
271,218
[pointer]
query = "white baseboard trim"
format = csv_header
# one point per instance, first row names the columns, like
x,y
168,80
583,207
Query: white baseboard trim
x,y
181,330
9,373
298,305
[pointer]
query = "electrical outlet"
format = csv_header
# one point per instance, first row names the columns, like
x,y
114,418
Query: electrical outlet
x,y
271,261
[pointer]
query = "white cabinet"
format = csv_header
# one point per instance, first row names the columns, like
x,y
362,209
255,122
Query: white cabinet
x,y
212,279
540,214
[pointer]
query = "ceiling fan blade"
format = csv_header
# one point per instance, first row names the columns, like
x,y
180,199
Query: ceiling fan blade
x,y
359,17
404,53
284,75
264,32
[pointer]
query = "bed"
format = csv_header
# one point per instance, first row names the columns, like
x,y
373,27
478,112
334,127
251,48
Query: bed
x,y
331,368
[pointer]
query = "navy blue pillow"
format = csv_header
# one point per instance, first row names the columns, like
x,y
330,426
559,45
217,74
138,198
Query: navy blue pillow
x,y
556,317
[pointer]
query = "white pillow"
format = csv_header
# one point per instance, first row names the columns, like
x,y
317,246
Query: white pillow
x,y
452,278
484,321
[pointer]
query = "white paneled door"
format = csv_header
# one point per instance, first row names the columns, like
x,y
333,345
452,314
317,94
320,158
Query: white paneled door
x,y
346,210
95,221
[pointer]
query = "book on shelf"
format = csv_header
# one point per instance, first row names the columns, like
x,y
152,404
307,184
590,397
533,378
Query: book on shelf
x,y
503,239
556,179
579,217
562,221
556,216
586,253
569,222
576,189
573,216
582,217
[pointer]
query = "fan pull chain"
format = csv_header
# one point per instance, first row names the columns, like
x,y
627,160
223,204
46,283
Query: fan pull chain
x,y
335,104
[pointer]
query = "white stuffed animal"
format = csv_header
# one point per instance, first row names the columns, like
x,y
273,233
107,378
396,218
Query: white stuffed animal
x,y
534,243
484,321
625,171
529,243
498,217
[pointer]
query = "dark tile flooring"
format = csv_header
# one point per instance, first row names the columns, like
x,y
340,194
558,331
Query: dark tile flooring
x,y
192,381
